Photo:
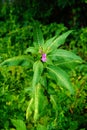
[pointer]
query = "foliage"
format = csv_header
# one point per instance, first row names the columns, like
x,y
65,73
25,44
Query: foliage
x,y
79,45
71,13
35,82
39,85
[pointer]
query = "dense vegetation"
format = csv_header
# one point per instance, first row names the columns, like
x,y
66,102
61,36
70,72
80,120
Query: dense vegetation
x,y
53,105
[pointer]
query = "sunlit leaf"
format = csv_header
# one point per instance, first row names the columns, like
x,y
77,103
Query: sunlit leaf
x,y
37,102
40,102
30,108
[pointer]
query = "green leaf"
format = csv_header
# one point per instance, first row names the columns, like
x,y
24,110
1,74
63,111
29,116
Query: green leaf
x,y
36,111
32,50
37,68
48,42
61,77
43,81
29,108
41,127
19,124
53,101
66,64
65,55
58,41
40,102
38,36
17,61
65,59
54,104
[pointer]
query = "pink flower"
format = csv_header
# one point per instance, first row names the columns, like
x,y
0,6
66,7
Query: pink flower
x,y
43,57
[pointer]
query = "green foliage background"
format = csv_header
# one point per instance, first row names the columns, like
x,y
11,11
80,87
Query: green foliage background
x,y
16,34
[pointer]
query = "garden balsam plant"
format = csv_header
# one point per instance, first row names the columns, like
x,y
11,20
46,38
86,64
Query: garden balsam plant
x,y
48,63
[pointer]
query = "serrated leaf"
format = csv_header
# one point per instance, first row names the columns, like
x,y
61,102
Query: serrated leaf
x,y
61,77
17,61
58,41
38,36
37,68
19,124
